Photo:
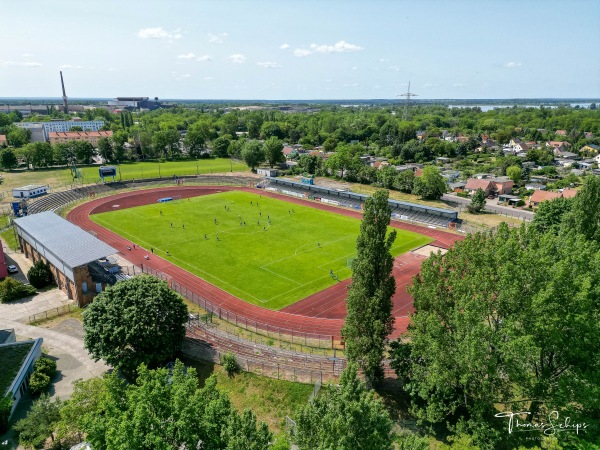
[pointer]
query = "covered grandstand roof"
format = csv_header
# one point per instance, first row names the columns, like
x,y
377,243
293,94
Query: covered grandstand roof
x,y
57,238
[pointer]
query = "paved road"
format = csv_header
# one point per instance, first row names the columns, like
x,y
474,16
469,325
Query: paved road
x,y
492,206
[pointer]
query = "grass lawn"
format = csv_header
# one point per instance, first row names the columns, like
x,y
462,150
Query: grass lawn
x,y
271,400
10,239
271,264
58,178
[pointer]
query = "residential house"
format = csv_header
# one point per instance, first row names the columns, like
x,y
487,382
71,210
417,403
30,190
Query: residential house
x,y
597,159
565,162
514,142
458,186
540,196
442,159
558,145
380,164
451,175
473,184
588,149
86,136
421,135
447,136
561,132
502,185
3,141
520,147
482,176
569,193
535,187
588,135
568,155
586,164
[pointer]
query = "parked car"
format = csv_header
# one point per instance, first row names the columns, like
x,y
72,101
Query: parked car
x,y
12,269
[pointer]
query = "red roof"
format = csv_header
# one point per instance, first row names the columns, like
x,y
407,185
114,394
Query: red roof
x,y
541,196
569,193
3,139
474,184
75,134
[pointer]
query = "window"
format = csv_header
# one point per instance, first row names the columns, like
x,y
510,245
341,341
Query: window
x,y
98,288
84,287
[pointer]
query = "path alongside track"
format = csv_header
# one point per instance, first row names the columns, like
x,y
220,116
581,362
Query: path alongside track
x,y
308,316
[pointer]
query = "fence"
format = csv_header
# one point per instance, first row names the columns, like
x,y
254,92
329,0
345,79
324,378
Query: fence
x,y
54,312
246,323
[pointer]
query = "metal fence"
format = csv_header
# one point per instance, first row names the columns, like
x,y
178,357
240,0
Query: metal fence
x,y
54,312
265,329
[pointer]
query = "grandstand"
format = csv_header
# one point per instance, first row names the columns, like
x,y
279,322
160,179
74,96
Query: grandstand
x,y
411,212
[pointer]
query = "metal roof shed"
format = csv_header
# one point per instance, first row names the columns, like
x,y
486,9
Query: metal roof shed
x,y
63,244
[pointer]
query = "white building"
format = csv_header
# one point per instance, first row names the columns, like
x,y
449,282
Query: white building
x,y
59,126
30,191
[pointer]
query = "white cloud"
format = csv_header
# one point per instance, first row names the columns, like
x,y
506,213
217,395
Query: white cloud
x,y
237,58
382,60
113,69
158,33
285,46
19,64
268,65
186,56
70,66
426,85
394,68
459,85
186,75
204,58
216,38
208,78
512,65
355,68
338,47
26,55
300,52
351,85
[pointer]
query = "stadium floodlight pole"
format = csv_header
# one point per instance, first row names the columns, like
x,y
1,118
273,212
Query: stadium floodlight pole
x,y
230,164
119,165
159,170
197,173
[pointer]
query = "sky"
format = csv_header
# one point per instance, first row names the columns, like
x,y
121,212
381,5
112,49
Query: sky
x,y
301,49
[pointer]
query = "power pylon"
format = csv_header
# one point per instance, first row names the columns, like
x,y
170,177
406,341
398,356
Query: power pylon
x,y
408,95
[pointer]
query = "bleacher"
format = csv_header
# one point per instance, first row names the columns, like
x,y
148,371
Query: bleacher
x,y
56,200
406,211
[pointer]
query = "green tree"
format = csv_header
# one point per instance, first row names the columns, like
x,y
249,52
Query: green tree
x,y
38,383
273,150
488,329
105,149
430,185
6,403
136,321
253,154
220,146
119,139
40,275
515,173
386,176
8,160
18,137
405,181
369,320
550,215
584,217
477,204
166,143
195,142
243,431
341,160
348,417
40,423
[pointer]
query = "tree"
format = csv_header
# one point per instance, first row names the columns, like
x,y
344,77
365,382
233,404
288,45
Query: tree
x,y
166,143
477,204
341,160
220,146
194,142
550,215
515,173
105,149
430,185
273,150
486,331
18,137
386,176
369,320
584,217
162,409
252,153
8,160
40,275
405,181
136,321
348,417
40,422
6,403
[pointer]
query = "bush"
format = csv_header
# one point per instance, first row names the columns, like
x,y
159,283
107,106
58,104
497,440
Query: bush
x,y
11,289
38,383
40,275
46,366
230,364
5,407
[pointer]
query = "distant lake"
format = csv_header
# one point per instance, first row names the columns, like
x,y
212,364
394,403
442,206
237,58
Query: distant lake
x,y
485,108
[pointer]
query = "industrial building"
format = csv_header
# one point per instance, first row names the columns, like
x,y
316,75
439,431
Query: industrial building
x,y
30,191
134,103
69,250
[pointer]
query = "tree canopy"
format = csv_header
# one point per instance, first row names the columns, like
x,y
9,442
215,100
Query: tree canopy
x,y
136,321
369,320
430,185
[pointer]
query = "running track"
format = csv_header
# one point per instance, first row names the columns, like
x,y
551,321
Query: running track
x,y
319,314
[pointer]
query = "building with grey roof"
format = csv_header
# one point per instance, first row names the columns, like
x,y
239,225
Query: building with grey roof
x,y
67,248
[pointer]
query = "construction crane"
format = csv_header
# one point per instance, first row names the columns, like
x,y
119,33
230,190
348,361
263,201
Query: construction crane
x,y
64,97
408,95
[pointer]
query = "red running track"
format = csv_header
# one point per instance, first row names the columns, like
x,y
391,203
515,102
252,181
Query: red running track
x,y
322,313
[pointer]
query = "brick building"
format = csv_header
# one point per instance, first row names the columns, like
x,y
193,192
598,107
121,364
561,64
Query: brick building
x,y
69,250
85,136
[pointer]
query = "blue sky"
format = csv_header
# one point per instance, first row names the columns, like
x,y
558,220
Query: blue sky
x,y
300,49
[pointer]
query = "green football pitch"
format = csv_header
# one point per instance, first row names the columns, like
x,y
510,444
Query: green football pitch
x,y
265,251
